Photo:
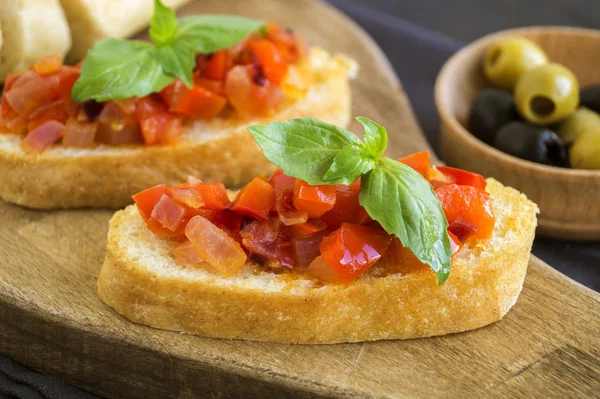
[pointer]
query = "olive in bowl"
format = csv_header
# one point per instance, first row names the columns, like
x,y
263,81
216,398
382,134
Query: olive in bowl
x,y
590,98
580,121
585,152
530,142
491,110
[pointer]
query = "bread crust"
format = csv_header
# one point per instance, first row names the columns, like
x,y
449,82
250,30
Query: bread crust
x,y
484,284
106,177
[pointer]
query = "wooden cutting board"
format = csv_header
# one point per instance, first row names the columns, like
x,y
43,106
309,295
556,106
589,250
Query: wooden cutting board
x,y
52,320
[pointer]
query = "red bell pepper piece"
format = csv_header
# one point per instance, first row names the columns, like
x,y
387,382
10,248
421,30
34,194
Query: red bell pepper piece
x,y
420,161
463,177
314,200
146,200
256,199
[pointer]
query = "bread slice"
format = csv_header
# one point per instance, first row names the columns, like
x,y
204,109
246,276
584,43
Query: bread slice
x,y
31,29
141,281
222,150
93,20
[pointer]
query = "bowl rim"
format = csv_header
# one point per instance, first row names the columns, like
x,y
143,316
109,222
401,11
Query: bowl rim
x,y
448,118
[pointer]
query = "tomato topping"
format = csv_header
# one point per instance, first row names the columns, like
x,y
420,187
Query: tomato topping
x,y
271,62
196,102
156,123
188,196
215,246
168,213
32,93
214,195
314,200
420,161
43,136
250,93
269,240
352,249
347,209
306,248
468,210
48,65
462,177
79,134
55,110
146,200
117,128
217,65
256,199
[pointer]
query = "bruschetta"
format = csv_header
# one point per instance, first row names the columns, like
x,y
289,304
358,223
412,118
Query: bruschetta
x,y
286,261
76,136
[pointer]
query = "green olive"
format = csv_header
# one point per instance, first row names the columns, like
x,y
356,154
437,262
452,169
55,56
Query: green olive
x,y
585,152
507,59
547,94
578,122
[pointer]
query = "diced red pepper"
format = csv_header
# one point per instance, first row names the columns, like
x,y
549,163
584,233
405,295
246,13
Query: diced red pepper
x,y
215,246
217,65
310,227
256,199
48,65
273,65
146,200
347,209
196,102
420,161
155,121
55,110
214,195
352,249
314,200
469,208
463,177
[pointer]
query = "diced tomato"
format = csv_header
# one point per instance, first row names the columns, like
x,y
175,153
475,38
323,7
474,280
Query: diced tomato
x,y
273,65
347,209
420,161
48,65
250,94
270,240
314,200
284,192
168,213
146,200
117,128
79,134
352,249
55,110
215,246
463,178
32,94
195,102
469,208
214,86
43,136
256,199
67,78
310,227
155,121
403,260
214,195
217,65
187,196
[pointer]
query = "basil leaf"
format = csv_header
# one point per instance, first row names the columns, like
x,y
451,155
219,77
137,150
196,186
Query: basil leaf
x,y
163,25
304,148
348,165
375,137
177,59
209,33
119,69
405,205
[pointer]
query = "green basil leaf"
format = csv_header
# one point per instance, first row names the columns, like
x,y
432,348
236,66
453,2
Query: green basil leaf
x,y
119,69
375,137
163,25
405,205
349,164
210,33
177,59
304,148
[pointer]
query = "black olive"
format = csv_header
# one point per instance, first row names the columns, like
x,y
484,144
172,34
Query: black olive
x,y
590,98
491,110
533,143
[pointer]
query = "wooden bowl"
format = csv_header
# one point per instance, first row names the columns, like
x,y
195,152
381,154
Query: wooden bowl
x,y
569,199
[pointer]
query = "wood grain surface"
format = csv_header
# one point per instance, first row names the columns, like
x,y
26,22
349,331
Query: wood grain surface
x,y
567,198
52,320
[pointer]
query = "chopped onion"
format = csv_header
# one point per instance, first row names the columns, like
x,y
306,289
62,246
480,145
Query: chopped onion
x,y
43,136
79,134
168,213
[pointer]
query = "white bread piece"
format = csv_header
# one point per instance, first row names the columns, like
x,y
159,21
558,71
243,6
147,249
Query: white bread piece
x,y
31,29
94,20
141,280
222,150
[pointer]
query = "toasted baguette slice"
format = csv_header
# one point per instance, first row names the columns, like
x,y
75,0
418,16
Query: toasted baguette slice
x,y
141,281
222,150
93,20
31,29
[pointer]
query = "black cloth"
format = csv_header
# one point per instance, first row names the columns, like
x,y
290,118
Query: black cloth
x,y
417,55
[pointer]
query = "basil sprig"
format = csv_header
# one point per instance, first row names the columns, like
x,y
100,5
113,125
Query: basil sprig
x,y
393,194
119,69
